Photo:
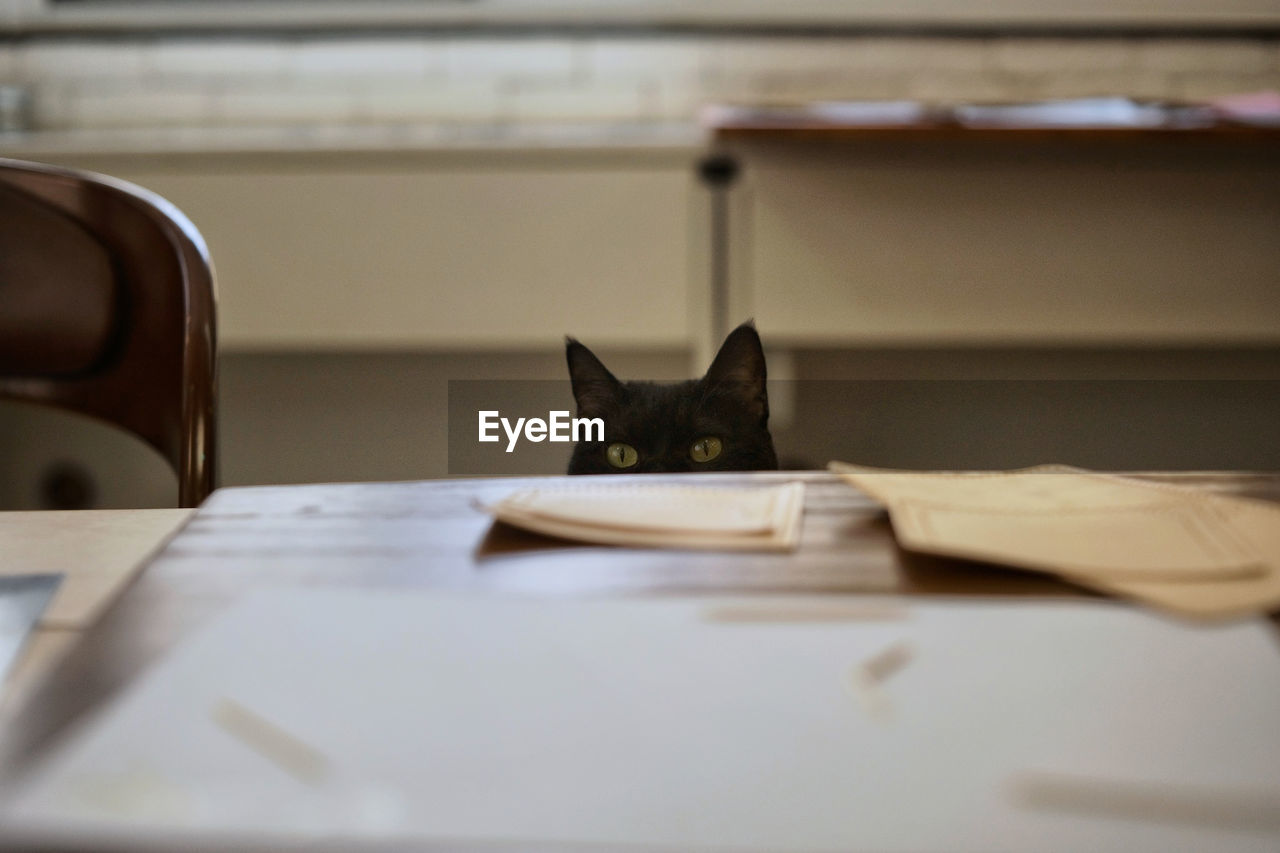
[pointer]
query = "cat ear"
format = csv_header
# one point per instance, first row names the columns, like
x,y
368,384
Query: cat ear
x,y
739,368
594,388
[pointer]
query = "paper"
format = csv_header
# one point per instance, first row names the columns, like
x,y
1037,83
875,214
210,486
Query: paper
x,y
641,724
1079,112
1261,109
1185,550
763,518
22,599
1256,522
98,550
1074,113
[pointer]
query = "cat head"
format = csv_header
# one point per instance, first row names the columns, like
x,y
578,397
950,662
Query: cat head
x,y
717,423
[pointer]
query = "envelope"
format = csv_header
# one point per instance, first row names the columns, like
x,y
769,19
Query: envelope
x,y
661,516
1177,548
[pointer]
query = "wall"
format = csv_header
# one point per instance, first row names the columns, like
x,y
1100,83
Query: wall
x,y
312,417
81,81
335,410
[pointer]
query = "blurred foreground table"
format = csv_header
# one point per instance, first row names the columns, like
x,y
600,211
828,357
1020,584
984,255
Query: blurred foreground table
x,y
431,535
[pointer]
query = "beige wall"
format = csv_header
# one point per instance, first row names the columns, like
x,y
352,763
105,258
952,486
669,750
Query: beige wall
x,y
419,217
351,417
157,81
440,251
863,267
314,417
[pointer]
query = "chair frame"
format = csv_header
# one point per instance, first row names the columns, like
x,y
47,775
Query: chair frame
x,y
160,380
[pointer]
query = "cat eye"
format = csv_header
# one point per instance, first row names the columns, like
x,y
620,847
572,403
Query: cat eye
x,y
705,449
622,455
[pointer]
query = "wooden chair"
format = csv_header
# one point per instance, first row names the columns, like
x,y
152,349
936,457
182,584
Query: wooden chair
x,y
107,308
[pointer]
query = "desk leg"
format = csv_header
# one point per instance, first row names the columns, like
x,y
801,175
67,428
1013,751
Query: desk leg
x,y
717,173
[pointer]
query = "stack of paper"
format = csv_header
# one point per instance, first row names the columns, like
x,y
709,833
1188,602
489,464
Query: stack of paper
x,y
1077,112
766,518
1177,548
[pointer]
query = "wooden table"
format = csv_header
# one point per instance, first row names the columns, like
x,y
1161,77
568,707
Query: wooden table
x,y
97,552
430,535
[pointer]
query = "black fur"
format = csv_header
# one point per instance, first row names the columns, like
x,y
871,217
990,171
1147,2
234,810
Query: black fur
x,y
663,421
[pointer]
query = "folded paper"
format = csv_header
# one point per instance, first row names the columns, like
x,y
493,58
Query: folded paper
x,y
764,518
1178,548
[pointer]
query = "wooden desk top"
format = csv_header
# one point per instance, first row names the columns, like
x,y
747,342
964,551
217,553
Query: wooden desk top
x,y
430,535
944,131
810,123
97,552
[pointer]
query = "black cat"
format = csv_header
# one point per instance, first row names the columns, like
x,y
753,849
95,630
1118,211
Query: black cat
x,y
717,423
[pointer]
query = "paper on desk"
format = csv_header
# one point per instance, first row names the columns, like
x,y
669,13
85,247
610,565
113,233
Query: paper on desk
x,y
1255,108
674,516
98,550
1254,521
1077,112
22,599
1174,547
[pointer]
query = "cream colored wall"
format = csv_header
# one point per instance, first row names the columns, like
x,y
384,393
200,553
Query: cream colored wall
x,y
333,416
356,282
337,274
457,251
315,417
1107,407
354,286
307,417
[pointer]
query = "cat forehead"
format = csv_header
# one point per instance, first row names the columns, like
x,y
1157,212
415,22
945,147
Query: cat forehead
x,y
664,407
661,396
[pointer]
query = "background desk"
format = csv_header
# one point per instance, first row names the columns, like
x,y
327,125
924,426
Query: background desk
x,y
1089,257
939,234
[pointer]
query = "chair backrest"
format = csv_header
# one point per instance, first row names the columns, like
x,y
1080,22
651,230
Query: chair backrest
x,y
107,308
